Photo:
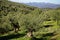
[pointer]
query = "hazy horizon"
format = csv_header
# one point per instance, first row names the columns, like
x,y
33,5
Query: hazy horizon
x,y
46,1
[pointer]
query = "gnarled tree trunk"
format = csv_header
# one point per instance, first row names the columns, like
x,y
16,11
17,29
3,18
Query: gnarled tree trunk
x,y
30,34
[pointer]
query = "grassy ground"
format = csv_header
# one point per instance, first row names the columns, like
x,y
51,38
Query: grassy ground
x,y
22,36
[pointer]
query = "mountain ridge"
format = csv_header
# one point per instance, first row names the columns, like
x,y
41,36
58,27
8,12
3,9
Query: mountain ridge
x,y
43,5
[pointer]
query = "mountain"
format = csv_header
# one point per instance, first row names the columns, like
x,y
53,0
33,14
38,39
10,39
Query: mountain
x,y
43,5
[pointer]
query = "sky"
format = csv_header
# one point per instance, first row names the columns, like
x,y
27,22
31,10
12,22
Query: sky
x,y
46,1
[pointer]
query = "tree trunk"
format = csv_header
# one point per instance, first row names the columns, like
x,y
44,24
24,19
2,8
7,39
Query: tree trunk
x,y
30,34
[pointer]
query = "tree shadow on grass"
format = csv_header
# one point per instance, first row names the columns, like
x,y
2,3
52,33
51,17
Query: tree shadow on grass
x,y
12,36
44,37
34,38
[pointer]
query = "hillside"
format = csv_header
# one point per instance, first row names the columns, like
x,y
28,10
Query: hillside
x,y
23,22
7,6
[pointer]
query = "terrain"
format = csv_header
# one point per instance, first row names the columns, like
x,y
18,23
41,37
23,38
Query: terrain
x,y
34,23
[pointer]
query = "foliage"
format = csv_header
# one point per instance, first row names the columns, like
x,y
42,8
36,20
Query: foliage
x,y
29,17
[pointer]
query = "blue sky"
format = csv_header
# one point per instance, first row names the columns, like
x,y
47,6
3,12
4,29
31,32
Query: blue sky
x,y
46,1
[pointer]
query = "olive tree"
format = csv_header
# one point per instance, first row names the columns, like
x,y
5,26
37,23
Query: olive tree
x,y
33,22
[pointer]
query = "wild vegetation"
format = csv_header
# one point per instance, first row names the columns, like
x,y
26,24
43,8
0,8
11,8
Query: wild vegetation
x,y
22,22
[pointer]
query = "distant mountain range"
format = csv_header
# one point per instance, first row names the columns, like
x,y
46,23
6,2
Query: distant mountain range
x,y
43,5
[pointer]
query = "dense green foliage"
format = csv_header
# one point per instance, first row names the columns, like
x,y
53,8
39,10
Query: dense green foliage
x,y
45,23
